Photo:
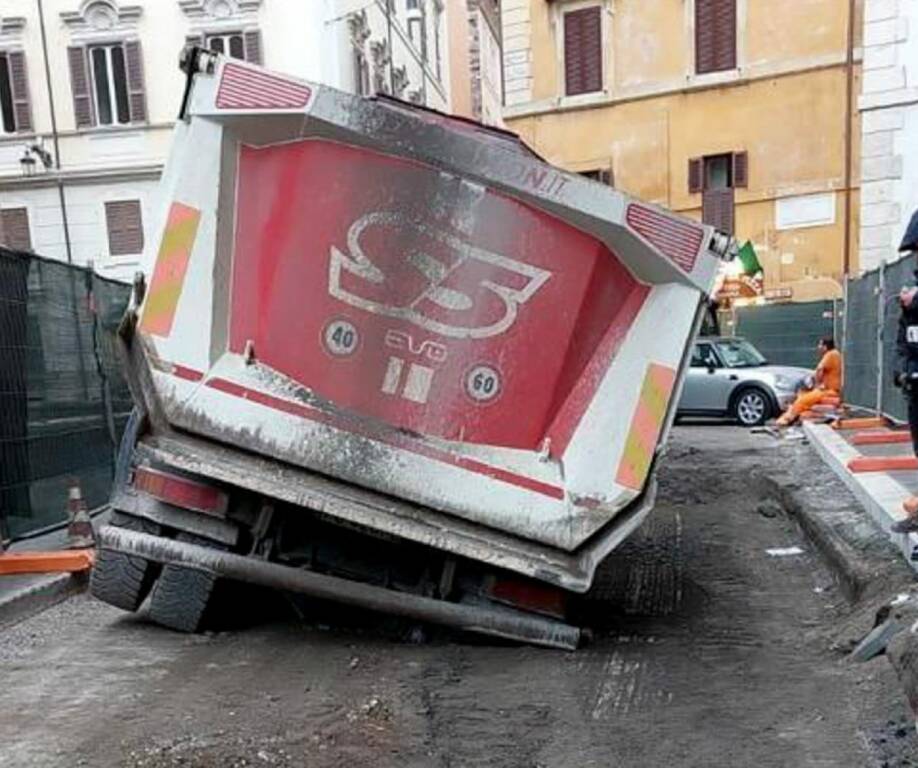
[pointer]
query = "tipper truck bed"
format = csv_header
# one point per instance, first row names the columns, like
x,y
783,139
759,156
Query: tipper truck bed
x,y
390,357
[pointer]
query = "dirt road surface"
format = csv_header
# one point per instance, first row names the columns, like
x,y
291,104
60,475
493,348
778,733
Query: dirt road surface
x,y
708,651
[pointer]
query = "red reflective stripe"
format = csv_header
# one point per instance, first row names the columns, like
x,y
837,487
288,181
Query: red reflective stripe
x,y
188,374
313,414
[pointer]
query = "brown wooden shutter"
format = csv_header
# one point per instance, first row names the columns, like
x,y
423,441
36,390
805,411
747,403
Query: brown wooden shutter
x,y
137,96
583,51
125,227
695,175
715,35
717,209
83,111
14,229
19,80
253,52
740,169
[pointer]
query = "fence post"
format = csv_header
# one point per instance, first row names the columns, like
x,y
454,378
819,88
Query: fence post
x,y
881,322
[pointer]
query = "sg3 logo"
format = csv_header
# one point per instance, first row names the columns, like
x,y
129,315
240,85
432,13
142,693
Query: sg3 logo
x,y
430,278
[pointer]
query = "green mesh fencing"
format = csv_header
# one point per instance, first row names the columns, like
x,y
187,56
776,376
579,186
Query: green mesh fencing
x,y
63,399
786,334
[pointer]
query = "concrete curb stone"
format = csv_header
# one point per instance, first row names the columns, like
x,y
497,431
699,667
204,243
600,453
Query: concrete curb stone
x,y
880,495
860,553
38,595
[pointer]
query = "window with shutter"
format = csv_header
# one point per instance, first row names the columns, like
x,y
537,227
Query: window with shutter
x,y
7,106
229,44
715,35
125,227
19,91
695,175
740,169
253,47
717,209
80,86
135,81
14,229
718,196
110,92
583,51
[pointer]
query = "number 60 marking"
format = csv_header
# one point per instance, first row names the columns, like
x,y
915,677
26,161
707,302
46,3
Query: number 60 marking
x,y
482,383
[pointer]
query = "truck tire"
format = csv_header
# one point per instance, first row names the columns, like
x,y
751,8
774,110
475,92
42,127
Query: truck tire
x,y
124,580
181,595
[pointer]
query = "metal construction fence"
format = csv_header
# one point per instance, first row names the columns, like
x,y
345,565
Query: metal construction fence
x,y
63,400
871,322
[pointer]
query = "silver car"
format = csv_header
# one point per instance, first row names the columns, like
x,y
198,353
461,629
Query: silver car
x,y
729,377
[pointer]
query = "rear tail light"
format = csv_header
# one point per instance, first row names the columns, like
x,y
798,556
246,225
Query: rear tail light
x,y
181,492
529,596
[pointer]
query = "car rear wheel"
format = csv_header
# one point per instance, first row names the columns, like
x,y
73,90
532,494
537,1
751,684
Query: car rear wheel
x,y
751,407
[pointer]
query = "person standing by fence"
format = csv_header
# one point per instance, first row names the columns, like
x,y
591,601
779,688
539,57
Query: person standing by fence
x,y
906,375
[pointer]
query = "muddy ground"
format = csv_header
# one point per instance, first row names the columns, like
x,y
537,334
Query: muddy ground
x,y
708,651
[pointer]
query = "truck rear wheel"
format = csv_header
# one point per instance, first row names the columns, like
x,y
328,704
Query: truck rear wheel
x,y
181,595
124,580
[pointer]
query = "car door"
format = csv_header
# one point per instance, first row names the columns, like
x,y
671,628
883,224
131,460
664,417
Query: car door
x,y
707,383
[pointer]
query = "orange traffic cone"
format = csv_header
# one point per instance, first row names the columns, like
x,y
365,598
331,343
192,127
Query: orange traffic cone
x,y
80,534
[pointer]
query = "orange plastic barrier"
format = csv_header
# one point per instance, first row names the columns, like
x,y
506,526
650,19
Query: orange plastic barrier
x,y
64,561
891,437
882,463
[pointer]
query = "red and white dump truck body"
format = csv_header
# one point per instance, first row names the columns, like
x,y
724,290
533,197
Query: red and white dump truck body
x,y
408,324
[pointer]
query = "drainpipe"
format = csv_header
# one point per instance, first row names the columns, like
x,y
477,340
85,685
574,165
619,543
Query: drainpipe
x,y
849,139
57,149
388,4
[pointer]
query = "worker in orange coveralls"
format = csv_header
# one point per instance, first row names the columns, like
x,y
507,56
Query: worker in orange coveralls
x,y
827,383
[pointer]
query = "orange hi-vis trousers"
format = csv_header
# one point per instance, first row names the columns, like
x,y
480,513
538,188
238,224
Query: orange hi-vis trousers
x,y
806,400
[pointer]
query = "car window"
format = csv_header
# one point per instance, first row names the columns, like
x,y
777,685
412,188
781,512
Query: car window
x,y
703,356
738,353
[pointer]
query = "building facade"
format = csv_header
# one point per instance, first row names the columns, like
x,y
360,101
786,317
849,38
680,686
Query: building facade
x,y
739,112
89,91
889,113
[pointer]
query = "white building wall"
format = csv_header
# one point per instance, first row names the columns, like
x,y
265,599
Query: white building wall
x,y
889,112
306,38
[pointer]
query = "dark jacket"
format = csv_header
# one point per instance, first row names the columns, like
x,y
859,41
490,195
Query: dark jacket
x,y
910,240
908,350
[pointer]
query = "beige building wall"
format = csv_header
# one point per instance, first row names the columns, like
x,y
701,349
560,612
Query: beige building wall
x,y
786,105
